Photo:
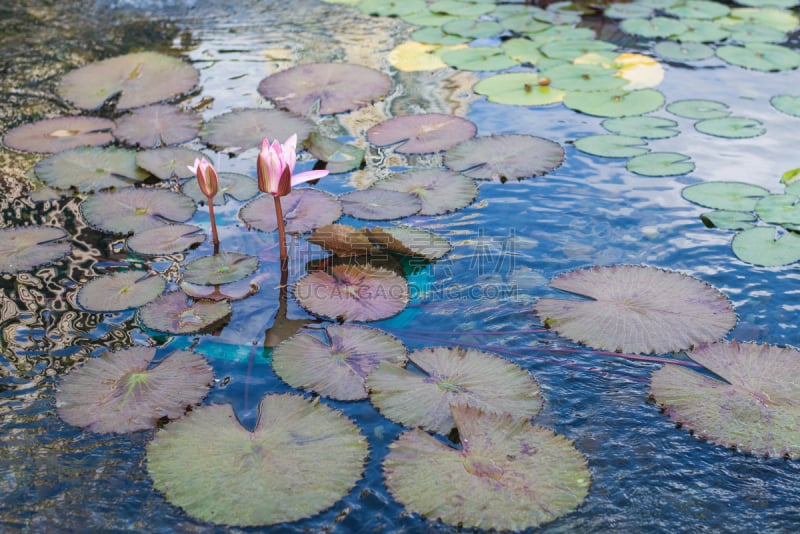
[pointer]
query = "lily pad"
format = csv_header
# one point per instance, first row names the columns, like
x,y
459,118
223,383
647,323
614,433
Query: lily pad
x,y
731,127
660,164
779,19
461,9
379,204
505,157
233,291
169,163
27,247
644,127
231,184
569,50
508,475
300,458
129,211
760,56
120,291
166,240
421,134
698,109
519,89
222,268
60,133
410,241
477,58
120,393
672,51
88,169
698,9
653,27
440,190
779,209
338,366
444,377
627,11
615,103
766,246
572,77
412,56
473,29
303,210
139,79
392,8
612,146
437,37
155,126
789,104
728,220
173,313
746,32
338,157
732,196
522,50
352,293
334,87
752,409
637,309
242,129
342,240
702,31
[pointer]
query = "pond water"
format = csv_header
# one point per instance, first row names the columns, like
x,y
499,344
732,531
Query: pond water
x,y
647,475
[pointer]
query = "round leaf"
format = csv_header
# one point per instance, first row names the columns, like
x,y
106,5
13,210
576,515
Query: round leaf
x,y
27,247
119,291
172,313
166,240
660,164
761,246
612,146
733,196
242,129
439,190
303,210
88,169
519,89
132,210
231,184
420,134
505,157
672,51
653,27
379,204
169,163
60,133
698,109
154,126
410,241
760,56
222,268
617,103
477,58
643,127
788,104
572,77
731,127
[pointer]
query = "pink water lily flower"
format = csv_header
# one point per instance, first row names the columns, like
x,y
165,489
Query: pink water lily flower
x,y
206,177
275,167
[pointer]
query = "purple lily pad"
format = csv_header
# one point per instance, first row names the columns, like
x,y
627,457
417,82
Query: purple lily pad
x,y
120,291
135,210
221,268
142,78
452,376
637,309
167,239
342,240
231,184
440,190
410,241
88,169
233,291
337,368
242,129
379,204
155,126
335,87
118,393
754,409
25,248
353,293
173,313
169,163
303,210
505,157
420,134
508,475
60,133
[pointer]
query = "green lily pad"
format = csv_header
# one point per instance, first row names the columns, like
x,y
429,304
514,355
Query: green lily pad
x,y
788,104
584,77
612,146
522,50
303,210
661,164
731,196
473,29
445,377
88,169
653,27
120,291
523,23
731,127
508,475
673,51
129,211
753,408
702,31
169,163
698,9
338,157
728,220
637,309
166,240
779,19
644,127
379,204
696,108
118,392
505,157
27,247
432,35
477,58
461,9
779,4
300,458
60,133
615,103
572,49
760,56
554,15
140,79
231,184
519,89
763,246
173,313
746,32
337,366
562,32
242,129
155,126
391,8
779,209
440,190
410,241
222,268
628,11
428,18
421,134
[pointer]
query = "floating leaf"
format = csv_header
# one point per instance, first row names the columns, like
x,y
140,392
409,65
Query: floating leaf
x,y
426,17
222,268
154,126
728,220
391,8
173,313
142,78
334,87
733,196
562,33
461,9
697,108
231,184
760,56
670,50
300,459
338,157
438,37
653,27
507,474
612,146
763,246
505,157
439,190
413,56
233,291
569,50
477,58
698,9
27,247
616,103
554,15
644,127
165,240
779,209
473,29
421,134
242,129
119,393
572,77
779,19
731,127
169,163
120,291
639,70
336,369
747,33
303,210
409,241
753,408
522,50
660,164
88,169
379,204
770,3
788,104
352,293
627,11
132,210
342,240
637,309
60,133
519,89
702,31
450,377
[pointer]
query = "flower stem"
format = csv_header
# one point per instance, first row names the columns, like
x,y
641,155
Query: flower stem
x,y
214,235
281,230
